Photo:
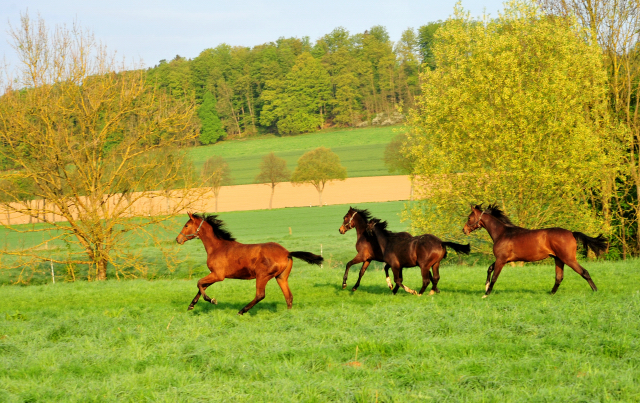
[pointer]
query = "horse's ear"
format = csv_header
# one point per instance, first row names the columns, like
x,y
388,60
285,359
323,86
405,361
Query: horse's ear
x,y
190,214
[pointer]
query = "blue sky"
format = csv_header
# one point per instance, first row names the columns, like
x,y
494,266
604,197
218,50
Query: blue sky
x,y
149,31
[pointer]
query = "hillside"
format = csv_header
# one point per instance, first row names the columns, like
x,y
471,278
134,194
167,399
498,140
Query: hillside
x,y
360,151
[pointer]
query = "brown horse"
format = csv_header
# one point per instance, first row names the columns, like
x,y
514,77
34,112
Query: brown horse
x,y
366,244
425,251
227,258
517,244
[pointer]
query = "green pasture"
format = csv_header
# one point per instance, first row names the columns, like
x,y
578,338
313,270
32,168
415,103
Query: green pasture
x,y
361,151
133,340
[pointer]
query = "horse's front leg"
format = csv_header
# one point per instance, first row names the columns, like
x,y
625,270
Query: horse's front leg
x,y
362,270
497,268
386,273
203,283
353,261
489,271
261,284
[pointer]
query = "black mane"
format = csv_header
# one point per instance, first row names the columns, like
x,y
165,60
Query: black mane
x,y
495,211
382,226
364,213
219,230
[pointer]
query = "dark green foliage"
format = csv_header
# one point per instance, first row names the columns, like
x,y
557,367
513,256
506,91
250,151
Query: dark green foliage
x,y
211,130
425,42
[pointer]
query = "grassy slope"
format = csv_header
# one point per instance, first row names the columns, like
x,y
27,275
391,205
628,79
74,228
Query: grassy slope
x,y
134,341
360,151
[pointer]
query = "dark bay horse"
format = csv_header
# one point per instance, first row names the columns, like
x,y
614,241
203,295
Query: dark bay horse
x,y
366,244
227,258
425,251
516,244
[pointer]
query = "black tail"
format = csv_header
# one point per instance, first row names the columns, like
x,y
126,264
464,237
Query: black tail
x,y
457,247
307,257
598,244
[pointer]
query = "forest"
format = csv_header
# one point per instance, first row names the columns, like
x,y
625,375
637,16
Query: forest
x,y
294,86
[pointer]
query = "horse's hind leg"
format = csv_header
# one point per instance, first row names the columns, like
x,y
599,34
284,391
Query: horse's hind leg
x,y
435,278
407,289
261,283
559,274
426,279
283,282
362,270
353,261
583,272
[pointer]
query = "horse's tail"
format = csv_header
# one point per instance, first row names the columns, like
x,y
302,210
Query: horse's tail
x,y
598,244
307,257
457,247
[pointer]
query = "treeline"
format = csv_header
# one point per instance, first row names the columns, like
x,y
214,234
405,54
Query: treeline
x,y
294,86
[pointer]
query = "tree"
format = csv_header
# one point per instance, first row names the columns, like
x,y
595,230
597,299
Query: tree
x,y
211,130
297,104
515,113
215,174
92,139
273,170
426,34
318,167
397,158
615,26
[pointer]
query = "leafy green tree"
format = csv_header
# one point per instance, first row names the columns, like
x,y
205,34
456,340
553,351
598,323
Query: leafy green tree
x,y
273,170
211,130
297,104
426,35
215,174
318,167
397,158
515,113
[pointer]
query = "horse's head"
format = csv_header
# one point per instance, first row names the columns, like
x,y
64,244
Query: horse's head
x,y
347,221
475,219
190,229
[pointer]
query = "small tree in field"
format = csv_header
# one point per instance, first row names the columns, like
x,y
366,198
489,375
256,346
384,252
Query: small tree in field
x,y
318,167
215,174
273,170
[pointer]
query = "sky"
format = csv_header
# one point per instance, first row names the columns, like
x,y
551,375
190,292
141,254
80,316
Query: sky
x,y
148,31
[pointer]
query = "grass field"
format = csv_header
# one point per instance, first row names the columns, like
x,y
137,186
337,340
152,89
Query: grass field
x,y
360,151
134,341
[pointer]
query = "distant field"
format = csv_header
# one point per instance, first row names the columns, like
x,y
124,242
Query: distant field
x,y
360,150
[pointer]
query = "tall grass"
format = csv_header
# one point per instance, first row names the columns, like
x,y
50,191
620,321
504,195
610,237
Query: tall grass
x,y
134,340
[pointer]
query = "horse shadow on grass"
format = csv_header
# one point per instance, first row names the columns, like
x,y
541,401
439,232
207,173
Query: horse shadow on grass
x,y
203,307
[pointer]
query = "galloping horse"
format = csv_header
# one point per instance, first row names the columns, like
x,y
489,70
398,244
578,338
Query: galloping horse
x,y
227,258
425,251
366,244
517,244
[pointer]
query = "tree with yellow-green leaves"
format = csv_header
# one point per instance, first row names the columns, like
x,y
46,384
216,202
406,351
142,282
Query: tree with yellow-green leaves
x,y
86,145
319,167
515,113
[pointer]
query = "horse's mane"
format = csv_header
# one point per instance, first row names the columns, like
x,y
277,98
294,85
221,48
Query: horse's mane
x,y
382,226
219,230
496,212
364,213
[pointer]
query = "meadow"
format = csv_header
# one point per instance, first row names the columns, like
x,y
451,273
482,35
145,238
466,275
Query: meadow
x,y
134,340
360,150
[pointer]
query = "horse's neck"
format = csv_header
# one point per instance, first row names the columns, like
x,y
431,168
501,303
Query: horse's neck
x,y
381,238
210,242
360,225
494,227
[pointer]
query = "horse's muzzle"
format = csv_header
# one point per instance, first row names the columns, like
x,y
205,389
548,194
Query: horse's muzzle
x,y
343,230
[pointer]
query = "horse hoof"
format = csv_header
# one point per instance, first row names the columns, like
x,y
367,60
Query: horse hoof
x,y
419,295
485,296
190,308
240,313
344,285
431,292
213,301
353,289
